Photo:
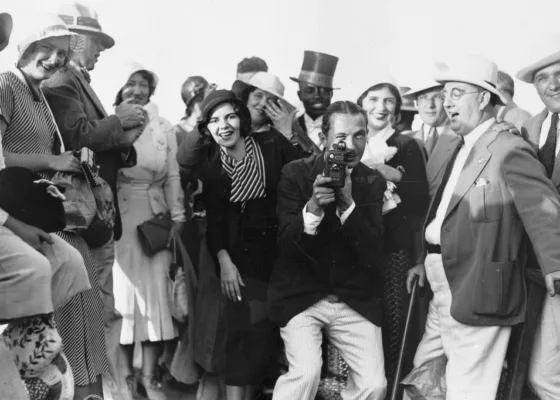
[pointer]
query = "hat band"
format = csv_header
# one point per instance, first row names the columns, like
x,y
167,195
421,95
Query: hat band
x,y
491,84
87,22
316,78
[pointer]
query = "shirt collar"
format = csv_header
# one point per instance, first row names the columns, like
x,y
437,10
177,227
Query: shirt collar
x,y
476,133
316,123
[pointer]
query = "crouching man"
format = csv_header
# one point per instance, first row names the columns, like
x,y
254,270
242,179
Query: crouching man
x,y
326,278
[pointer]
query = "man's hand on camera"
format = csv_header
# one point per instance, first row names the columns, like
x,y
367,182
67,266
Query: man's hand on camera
x,y
322,196
343,195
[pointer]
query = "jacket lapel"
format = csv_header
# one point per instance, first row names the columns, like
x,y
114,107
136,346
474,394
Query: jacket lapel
x,y
476,161
441,154
89,91
534,129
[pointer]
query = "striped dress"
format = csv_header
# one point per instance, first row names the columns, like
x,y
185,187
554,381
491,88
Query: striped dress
x,y
31,130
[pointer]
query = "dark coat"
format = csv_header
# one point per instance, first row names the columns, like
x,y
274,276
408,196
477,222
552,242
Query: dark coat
x,y
83,122
403,225
248,236
341,259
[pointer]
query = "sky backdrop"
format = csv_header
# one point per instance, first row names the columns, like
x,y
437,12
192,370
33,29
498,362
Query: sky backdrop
x,y
179,38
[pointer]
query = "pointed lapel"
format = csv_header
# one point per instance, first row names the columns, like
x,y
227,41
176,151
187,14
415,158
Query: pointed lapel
x,y
441,154
534,129
476,161
89,91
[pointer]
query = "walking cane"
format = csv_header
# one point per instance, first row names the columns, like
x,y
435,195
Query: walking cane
x,y
404,341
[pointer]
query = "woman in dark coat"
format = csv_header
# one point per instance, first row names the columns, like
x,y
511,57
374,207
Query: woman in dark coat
x,y
240,175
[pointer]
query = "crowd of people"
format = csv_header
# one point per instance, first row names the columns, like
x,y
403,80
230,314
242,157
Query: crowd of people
x,y
306,232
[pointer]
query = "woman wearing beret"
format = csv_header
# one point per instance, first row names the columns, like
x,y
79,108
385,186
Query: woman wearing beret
x,y
241,172
31,139
145,190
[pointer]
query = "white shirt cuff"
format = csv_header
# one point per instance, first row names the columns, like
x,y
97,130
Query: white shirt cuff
x,y
3,217
311,221
346,214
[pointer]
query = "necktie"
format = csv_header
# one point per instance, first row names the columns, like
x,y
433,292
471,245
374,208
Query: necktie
x,y
547,153
441,187
431,141
86,75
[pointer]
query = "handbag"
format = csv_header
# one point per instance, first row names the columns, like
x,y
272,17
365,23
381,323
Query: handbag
x,y
153,234
79,206
177,296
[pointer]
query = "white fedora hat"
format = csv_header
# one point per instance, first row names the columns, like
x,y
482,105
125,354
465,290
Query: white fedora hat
x,y
543,52
269,83
83,19
422,87
473,69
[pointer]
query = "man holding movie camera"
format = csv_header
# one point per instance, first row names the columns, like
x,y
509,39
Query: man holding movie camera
x,y
327,277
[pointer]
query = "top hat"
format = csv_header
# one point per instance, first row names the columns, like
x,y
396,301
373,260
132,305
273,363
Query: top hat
x,y
82,19
6,25
475,70
317,69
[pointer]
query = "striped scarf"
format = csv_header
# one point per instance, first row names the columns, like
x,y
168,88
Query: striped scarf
x,y
247,175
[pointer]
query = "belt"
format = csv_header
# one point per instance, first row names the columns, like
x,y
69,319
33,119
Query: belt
x,y
433,248
332,298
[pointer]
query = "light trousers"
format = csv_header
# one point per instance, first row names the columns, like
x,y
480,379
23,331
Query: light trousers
x,y
357,339
475,354
544,369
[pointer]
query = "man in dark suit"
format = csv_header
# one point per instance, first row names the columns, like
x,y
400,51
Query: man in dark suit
x,y
542,132
327,276
494,193
83,122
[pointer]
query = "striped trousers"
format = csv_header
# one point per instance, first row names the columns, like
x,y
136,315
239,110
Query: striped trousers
x,y
357,339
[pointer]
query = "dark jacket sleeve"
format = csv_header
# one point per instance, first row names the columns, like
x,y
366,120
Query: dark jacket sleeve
x,y
292,240
216,209
413,187
63,95
193,155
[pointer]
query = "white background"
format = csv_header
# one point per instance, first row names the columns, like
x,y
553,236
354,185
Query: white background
x,y
179,38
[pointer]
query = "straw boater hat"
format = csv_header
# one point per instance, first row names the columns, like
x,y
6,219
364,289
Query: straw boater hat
x,y
421,87
6,25
317,69
476,70
541,56
44,26
269,83
83,19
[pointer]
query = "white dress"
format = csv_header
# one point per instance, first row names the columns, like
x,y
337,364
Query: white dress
x,y
151,187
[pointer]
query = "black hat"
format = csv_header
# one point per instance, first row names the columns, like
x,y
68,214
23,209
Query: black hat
x,y
218,97
317,69
6,25
28,201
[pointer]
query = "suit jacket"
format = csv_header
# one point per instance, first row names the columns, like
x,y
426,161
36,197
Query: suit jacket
x,y
502,198
513,114
435,165
343,260
83,122
250,235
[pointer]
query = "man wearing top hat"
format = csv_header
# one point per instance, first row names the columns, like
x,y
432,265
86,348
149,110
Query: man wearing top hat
x,y
83,122
493,191
315,92
542,132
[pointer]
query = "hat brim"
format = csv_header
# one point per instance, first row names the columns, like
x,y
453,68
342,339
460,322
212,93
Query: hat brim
x,y
6,26
76,42
527,73
106,40
412,93
271,91
486,86
313,83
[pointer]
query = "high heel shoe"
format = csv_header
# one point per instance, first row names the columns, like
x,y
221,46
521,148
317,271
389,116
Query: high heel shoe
x,y
153,388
